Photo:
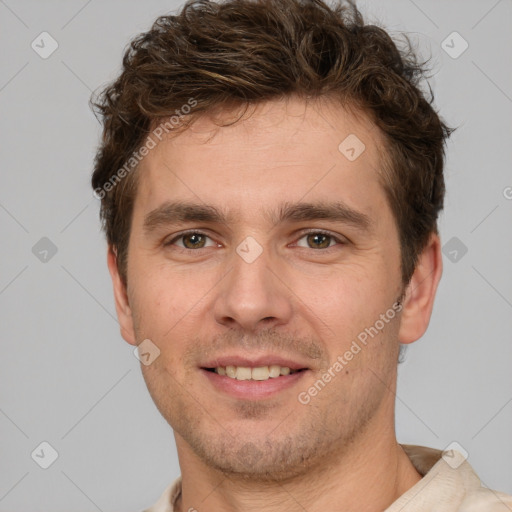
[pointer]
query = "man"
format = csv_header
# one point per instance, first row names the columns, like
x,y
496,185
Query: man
x,y
270,177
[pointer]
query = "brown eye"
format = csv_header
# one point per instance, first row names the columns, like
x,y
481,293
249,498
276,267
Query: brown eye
x,y
319,240
191,240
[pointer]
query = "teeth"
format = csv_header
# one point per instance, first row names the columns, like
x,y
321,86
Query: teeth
x,y
260,373
274,370
243,373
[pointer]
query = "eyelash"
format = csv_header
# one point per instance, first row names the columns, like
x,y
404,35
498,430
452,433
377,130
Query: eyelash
x,y
305,233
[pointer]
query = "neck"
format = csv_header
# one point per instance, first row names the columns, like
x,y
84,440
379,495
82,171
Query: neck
x,y
367,477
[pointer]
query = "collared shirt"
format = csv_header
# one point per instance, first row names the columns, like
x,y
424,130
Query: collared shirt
x,y
449,484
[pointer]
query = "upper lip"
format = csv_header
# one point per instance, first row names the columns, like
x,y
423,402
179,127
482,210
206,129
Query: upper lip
x,y
254,362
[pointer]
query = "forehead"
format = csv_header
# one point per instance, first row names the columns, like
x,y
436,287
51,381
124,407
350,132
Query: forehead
x,y
280,151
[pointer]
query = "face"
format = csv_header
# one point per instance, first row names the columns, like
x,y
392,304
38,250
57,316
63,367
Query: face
x,y
262,245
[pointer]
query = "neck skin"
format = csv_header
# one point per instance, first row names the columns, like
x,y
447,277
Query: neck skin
x,y
367,476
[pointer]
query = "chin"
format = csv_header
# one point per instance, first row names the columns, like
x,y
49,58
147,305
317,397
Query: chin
x,y
264,460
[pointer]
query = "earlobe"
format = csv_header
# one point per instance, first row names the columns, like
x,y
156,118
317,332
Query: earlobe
x,y
124,312
420,293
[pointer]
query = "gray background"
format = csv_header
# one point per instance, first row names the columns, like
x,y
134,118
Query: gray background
x,y
66,375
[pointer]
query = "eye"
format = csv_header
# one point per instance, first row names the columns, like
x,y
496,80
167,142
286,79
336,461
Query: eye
x,y
320,240
190,240
315,239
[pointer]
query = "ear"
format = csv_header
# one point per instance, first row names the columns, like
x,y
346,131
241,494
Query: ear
x,y
420,292
124,313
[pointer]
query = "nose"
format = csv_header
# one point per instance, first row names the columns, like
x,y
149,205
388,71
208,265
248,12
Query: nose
x,y
253,296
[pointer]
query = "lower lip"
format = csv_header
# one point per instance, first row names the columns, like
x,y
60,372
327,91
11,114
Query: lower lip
x,y
253,389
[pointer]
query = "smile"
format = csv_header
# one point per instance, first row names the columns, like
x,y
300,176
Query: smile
x,y
247,373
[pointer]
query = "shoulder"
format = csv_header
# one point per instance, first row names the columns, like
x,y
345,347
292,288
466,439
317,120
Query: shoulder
x,y
167,499
486,500
449,484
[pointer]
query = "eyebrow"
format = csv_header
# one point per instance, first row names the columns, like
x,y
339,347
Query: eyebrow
x,y
182,212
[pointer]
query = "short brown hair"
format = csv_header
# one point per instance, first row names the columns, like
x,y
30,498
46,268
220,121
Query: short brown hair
x,y
250,51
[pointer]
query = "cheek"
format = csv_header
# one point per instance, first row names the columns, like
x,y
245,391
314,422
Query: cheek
x,y
157,306
172,310
346,291
345,304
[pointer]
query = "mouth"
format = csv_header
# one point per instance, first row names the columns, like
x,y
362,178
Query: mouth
x,y
259,373
253,380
